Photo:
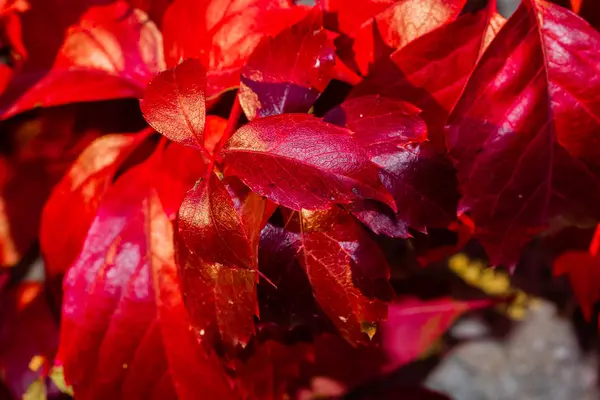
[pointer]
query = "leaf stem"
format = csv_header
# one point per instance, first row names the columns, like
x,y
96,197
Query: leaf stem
x,y
234,117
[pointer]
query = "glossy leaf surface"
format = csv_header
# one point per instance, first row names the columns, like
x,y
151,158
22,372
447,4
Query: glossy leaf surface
x,y
431,71
74,201
124,323
219,228
398,25
111,53
174,103
516,161
288,72
223,34
300,162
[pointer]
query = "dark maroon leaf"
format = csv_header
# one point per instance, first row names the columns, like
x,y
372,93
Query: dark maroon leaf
x,y
421,181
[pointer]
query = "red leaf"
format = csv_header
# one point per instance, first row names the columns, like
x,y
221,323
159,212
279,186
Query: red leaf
x,y
516,161
342,263
421,181
216,229
27,329
219,226
42,37
74,201
398,25
174,103
381,125
413,325
124,324
38,150
431,71
423,184
583,269
287,73
293,160
111,53
223,34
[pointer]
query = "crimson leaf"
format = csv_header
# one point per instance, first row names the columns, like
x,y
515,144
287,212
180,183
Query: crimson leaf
x,y
431,71
105,56
219,229
517,160
174,103
294,160
223,34
74,200
124,324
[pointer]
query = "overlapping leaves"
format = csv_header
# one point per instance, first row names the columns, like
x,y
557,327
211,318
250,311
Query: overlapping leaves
x,y
189,262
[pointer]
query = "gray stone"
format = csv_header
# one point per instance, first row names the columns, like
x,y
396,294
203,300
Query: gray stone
x,y
540,360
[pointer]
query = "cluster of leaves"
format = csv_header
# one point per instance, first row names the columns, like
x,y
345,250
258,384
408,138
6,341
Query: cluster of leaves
x,y
258,244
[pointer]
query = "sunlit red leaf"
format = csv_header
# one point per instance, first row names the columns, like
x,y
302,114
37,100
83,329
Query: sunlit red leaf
x,y
288,72
74,201
398,25
124,324
27,329
219,228
583,269
174,103
414,325
37,151
293,160
223,34
516,160
41,38
112,52
431,71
